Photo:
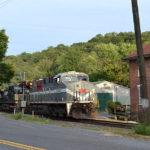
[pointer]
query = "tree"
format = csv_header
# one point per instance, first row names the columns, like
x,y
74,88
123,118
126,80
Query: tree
x,y
69,60
3,44
6,71
101,58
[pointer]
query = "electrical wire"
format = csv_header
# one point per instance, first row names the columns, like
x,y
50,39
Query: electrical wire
x,y
3,3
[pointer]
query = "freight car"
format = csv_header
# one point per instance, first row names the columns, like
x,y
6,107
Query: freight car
x,y
65,94
10,98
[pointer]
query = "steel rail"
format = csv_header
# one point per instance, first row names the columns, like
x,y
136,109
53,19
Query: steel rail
x,y
99,122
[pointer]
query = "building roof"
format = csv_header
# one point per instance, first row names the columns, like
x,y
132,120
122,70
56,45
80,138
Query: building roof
x,y
71,73
146,52
104,81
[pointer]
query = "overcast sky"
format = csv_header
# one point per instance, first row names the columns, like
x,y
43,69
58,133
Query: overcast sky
x,y
34,25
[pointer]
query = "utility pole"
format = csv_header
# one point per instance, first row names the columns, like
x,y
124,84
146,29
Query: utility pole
x,y
24,76
140,58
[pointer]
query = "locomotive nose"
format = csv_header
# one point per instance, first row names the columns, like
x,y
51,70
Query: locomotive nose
x,y
82,91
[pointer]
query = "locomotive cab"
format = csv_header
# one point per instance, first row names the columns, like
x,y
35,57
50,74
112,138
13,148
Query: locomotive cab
x,y
78,87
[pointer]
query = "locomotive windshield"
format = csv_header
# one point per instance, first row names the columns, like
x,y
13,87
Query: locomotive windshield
x,y
15,89
75,78
83,78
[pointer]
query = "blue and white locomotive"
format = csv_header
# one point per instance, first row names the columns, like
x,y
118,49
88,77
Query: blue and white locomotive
x,y
65,94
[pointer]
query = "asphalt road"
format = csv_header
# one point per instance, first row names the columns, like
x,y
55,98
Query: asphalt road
x,y
52,137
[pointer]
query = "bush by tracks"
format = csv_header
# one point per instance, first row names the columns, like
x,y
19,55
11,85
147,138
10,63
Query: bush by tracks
x,y
111,106
142,129
17,116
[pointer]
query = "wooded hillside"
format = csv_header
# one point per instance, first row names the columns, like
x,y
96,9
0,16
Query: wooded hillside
x,y
101,58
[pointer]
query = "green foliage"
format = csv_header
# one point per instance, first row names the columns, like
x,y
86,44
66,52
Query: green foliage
x,y
122,37
6,70
142,129
68,60
3,44
6,73
17,116
36,119
111,106
101,58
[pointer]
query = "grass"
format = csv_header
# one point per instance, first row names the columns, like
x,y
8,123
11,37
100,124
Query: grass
x,y
142,129
17,116
36,119
110,131
117,131
137,132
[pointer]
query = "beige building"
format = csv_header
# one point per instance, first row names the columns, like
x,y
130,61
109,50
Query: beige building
x,y
107,91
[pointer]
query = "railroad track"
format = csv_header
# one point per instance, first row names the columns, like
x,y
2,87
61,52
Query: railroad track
x,y
108,123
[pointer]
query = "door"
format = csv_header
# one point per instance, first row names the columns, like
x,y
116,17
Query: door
x,y
103,99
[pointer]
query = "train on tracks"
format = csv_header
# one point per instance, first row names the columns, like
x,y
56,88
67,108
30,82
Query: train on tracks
x,y
66,94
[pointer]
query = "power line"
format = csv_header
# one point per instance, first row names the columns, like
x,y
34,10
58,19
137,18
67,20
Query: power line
x,y
3,3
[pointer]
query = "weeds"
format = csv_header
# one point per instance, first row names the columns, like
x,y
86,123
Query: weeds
x,y
41,120
142,129
17,116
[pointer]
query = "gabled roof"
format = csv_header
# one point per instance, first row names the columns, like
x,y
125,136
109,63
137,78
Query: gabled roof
x,y
70,73
108,82
146,52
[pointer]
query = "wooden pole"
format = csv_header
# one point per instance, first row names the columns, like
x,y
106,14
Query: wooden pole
x,y
141,61
32,113
23,111
14,111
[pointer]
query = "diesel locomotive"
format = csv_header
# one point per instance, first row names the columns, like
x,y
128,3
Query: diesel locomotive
x,y
66,94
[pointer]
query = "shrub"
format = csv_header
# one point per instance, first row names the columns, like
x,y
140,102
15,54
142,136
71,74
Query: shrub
x,y
111,106
142,129
17,116
37,119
